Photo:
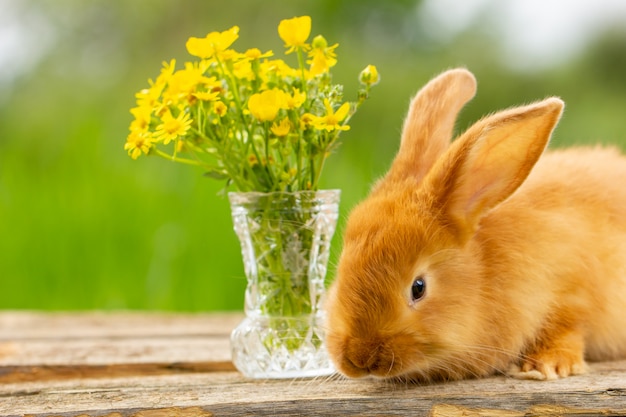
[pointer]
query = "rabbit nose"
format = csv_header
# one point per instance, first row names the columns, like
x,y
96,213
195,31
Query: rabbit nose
x,y
368,357
364,357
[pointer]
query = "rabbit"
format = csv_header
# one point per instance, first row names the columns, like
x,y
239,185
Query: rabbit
x,y
485,255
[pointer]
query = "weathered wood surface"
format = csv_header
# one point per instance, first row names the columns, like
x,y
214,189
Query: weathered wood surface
x,y
166,365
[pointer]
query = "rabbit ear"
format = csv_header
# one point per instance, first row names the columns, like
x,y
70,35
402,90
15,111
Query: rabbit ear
x,y
429,124
489,162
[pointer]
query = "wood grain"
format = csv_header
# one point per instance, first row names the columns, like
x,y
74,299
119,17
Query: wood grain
x,y
162,365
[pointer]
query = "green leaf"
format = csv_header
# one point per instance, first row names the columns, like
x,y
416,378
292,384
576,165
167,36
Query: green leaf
x,y
216,174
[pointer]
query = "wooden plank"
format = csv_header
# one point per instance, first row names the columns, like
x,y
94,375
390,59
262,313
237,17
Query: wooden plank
x,y
31,325
229,394
61,339
158,365
39,373
103,351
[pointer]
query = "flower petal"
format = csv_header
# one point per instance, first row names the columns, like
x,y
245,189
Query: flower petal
x,y
294,32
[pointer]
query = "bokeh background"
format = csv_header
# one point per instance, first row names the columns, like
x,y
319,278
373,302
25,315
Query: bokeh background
x,y
82,226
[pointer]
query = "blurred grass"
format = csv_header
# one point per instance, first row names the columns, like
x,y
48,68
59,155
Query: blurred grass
x,y
82,226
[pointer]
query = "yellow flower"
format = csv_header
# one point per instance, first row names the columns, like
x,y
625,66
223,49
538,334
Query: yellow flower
x,y
255,53
219,108
243,70
166,72
282,128
277,68
183,83
143,115
212,87
294,32
307,120
213,44
369,76
295,100
207,95
331,121
253,160
323,56
138,143
230,55
265,106
149,97
172,127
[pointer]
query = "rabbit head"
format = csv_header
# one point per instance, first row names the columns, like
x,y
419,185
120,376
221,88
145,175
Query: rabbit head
x,y
410,297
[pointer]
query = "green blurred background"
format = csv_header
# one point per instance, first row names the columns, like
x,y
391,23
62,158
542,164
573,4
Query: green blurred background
x,y
82,226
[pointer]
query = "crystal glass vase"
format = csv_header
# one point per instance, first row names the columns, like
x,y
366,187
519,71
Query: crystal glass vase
x,y
285,243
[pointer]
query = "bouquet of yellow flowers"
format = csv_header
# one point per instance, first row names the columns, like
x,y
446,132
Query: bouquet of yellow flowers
x,y
248,118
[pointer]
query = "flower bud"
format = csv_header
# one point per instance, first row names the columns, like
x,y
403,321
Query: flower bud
x,y
319,42
369,76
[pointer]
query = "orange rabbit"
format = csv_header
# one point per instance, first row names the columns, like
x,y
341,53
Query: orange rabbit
x,y
484,255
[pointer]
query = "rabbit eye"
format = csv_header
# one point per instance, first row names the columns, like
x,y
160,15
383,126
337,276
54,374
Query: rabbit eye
x,y
418,289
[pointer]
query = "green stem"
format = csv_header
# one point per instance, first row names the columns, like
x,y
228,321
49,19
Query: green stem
x,y
271,178
302,70
314,172
244,124
320,167
302,142
233,84
176,158
235,91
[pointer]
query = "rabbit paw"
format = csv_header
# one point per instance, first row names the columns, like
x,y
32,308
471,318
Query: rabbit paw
x,y
549,365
